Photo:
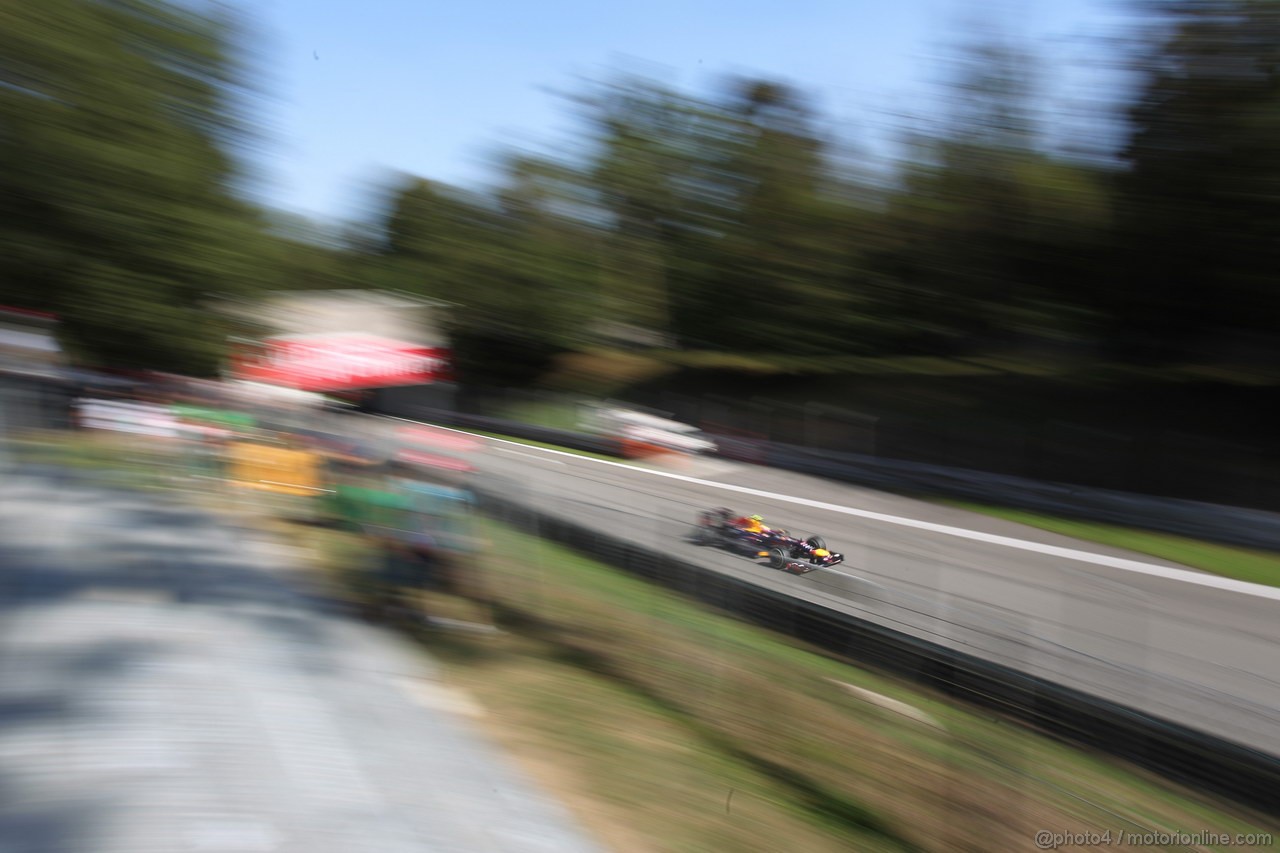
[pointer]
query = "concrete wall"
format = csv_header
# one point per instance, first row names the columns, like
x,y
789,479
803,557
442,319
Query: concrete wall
x,y
338,311
369,313
412,401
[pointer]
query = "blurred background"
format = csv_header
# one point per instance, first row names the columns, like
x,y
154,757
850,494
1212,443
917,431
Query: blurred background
x,y
1009,257
1028,238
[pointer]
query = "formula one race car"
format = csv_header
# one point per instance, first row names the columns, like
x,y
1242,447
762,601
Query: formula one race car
x,y
784,551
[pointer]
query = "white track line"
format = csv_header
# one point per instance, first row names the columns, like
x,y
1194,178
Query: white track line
x,y
1213,581
527,455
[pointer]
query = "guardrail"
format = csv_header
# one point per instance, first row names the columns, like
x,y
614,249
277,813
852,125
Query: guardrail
x,y
1211,522
547,435
1179,753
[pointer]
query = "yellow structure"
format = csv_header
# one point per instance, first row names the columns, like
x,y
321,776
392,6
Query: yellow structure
x,y
280,470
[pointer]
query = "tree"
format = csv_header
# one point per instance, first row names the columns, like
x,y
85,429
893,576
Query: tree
x,y
118,123
1199,197
516,274
643,140
301,254
555,254
715,221
780,283
991,236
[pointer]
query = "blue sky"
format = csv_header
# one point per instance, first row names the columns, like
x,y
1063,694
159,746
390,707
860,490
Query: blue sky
x,y
435,88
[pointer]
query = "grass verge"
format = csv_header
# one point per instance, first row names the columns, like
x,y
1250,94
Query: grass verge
x,y
671,727
130,461
1240,563
552,415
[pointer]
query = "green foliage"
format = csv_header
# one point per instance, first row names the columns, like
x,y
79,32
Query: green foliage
x,y
722,224
116,126
1239,563
1200,195
719,223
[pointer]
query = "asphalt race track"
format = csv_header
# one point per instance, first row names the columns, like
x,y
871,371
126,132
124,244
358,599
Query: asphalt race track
x,y
1181,645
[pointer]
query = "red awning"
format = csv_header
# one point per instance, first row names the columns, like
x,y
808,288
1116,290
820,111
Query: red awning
x,y
341,363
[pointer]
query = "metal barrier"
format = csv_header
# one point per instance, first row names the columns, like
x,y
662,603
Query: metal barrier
x,y
559,437
1213,522
1249,528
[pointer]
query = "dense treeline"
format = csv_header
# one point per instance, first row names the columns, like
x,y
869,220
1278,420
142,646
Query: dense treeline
x,y
723,222
117,134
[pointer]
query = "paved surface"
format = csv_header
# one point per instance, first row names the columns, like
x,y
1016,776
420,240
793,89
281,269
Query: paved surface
x,y
166,685
1204,657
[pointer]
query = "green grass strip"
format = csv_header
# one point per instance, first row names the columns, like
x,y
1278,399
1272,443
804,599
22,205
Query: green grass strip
x,y
1244,564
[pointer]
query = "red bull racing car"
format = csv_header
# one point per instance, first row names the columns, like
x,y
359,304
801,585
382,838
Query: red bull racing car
x,y
747,535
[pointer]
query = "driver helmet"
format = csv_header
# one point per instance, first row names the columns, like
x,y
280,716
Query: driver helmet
x,y
756,518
